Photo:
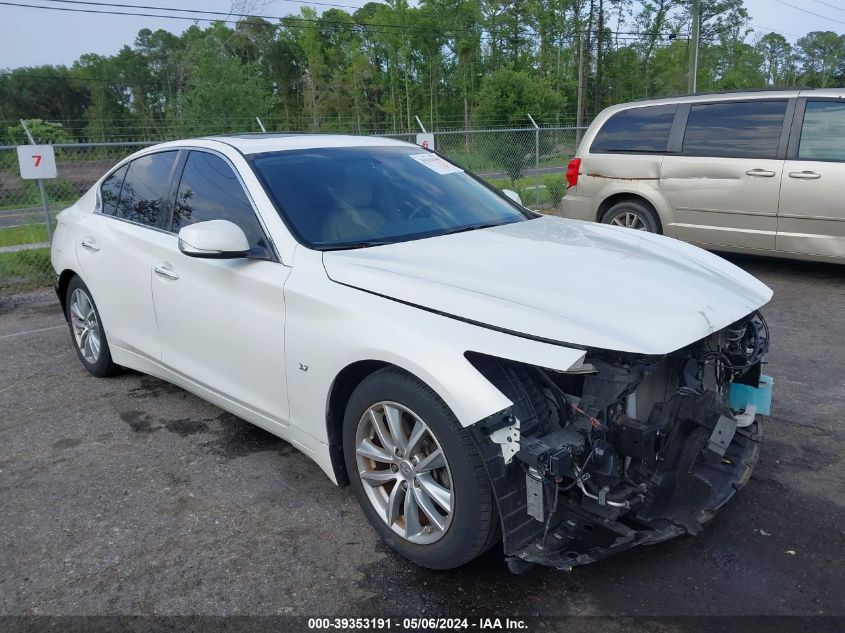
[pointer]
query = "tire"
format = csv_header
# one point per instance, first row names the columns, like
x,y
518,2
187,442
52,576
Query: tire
x,y
86,328
456,536
632,214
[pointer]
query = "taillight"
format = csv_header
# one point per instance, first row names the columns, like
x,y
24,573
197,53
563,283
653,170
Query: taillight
x,y
572,172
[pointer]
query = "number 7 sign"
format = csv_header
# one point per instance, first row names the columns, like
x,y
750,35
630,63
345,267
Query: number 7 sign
x,y
36,161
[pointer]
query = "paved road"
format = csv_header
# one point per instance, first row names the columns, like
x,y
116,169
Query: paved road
x,y
528,173
129,495
25,215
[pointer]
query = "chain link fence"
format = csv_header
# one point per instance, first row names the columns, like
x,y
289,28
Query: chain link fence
x,y
530,161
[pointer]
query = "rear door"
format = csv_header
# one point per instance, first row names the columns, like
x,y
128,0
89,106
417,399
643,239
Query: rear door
x,y
724,181
115,249
811,219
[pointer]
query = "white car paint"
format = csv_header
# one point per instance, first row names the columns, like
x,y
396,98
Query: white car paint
x,y
563,280
266,340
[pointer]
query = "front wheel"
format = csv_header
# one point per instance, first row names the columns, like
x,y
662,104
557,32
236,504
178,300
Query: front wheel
x,y
416,472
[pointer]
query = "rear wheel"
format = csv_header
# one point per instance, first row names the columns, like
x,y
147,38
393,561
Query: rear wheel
x,y
632,214
86,330
416,473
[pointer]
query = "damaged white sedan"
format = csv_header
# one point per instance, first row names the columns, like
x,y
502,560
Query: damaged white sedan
x,y
479,373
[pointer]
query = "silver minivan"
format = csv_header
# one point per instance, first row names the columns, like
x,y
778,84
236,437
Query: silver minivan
x,y
755,172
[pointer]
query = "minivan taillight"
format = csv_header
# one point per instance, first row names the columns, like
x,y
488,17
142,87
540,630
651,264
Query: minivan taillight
x,y
572,172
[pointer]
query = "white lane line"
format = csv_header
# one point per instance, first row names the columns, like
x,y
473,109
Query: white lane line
x,y
43,329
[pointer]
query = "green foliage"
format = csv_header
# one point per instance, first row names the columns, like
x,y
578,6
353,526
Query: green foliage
x,y
42,131
222,92
27,234
822,56
511,95
556,188
453,63
26,269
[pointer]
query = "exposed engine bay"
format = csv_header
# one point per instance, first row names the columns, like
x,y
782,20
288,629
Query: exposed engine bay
x,y
627,450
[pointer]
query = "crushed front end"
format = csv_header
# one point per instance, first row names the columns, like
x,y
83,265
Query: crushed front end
x,y
626,450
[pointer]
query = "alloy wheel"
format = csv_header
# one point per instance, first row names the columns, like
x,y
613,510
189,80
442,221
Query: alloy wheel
x,y
84,324
405,473
630,220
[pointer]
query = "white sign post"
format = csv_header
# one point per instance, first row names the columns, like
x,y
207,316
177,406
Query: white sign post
x,y
426,140
38,162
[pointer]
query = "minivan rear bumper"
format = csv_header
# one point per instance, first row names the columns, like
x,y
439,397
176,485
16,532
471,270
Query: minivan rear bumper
x,y
578,207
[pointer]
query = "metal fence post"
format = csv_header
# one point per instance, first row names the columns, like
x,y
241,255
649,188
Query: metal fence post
x,y
41,189
536,160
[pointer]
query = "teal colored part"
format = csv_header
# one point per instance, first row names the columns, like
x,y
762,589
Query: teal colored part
x,y
761,397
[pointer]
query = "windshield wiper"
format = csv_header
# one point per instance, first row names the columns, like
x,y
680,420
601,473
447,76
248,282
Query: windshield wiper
x,y
351,245
474,227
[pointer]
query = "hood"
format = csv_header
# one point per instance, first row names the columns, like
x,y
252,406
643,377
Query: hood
x,y
562,280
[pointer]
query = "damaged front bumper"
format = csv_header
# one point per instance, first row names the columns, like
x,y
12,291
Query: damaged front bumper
x,y
632,451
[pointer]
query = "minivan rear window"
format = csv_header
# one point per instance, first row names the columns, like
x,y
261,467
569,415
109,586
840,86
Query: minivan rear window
x,y
643,129
736,129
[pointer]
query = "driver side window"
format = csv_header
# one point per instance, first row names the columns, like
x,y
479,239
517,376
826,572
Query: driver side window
x,y
210,190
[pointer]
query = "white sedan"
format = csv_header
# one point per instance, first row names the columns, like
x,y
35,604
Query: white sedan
x,y
480,374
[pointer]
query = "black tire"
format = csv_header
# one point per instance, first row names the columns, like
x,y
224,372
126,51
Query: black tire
x,y
642,211
474,520
103,366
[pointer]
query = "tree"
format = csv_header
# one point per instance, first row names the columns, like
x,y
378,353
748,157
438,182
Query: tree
x,y
822,55
777,60
221,96
511,95
42,132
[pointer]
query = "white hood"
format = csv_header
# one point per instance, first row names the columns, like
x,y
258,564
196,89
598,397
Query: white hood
x,y
562,280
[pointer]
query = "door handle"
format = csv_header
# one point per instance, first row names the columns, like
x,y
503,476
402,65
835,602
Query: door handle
x,y
805,175
760,173
90,244
164,270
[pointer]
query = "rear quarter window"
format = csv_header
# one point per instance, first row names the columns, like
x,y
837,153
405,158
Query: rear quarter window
x,y
644,129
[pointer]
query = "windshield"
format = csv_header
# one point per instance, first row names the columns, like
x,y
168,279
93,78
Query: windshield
x,y
349,197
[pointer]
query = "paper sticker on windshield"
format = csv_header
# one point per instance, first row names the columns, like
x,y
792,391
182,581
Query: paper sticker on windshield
x,y
435,163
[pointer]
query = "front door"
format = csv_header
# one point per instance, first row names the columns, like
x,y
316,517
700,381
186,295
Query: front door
x,y
724,185
811,219
221,321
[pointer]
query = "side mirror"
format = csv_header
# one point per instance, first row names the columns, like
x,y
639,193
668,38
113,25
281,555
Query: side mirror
x,y
513,195
213,239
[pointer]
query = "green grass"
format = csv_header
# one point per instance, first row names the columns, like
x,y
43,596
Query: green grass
x,y
26,269
526,185
26,234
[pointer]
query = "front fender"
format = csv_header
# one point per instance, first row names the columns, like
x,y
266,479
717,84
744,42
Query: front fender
x,y
329,326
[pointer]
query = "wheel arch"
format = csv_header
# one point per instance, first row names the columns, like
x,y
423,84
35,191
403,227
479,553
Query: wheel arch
x,y
339,393
62,284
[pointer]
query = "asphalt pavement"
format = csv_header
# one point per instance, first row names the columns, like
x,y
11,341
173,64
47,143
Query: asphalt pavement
x,y
130,496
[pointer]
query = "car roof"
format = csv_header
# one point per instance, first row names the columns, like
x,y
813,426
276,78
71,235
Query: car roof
x,y
279,141
739,95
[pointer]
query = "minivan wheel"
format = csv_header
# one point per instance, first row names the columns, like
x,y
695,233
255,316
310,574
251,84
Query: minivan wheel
x,y
633,215
86,330
416,472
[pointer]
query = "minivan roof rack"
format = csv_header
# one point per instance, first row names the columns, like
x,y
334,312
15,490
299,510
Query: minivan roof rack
x,y
710,93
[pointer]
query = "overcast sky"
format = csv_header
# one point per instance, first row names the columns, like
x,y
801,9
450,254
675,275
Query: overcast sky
x,y
31,37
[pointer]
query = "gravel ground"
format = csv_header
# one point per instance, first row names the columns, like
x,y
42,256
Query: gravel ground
x,y
131,496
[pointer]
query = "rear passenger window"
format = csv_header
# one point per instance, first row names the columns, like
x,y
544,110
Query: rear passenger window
x,y
643,129
740,129
145,187
110,191
210,190
823,131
